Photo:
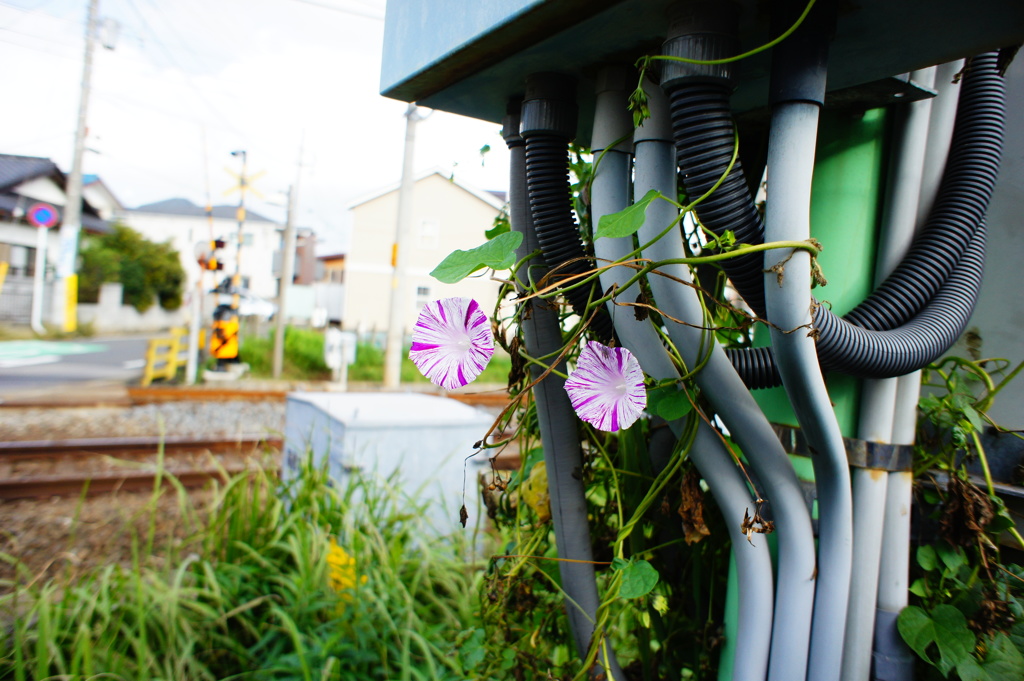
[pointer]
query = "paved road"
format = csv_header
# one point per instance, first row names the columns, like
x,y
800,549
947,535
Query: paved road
x,y
40,365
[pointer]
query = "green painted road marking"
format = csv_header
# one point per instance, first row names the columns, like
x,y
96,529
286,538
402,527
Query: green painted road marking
x,y
12,350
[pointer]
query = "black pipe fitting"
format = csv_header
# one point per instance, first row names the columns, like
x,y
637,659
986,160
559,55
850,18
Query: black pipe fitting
x,y
706,31
549,107
800,62
510,124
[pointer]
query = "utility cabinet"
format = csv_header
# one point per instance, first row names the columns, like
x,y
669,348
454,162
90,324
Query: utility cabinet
x,y
421,440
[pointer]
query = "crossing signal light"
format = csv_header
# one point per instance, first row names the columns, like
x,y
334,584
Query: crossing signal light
x,y
214,262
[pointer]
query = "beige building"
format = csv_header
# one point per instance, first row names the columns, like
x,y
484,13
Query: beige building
x,y
446,215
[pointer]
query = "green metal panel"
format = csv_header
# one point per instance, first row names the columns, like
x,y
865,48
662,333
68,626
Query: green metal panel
x,y
845,212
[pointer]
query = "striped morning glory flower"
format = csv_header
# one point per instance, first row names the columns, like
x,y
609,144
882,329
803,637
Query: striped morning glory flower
x,y
451,342
607,387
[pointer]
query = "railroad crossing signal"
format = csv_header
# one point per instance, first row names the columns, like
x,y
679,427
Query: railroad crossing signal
x,y
244,185
208,254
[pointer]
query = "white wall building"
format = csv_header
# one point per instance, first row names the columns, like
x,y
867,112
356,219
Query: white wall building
x,y
446,215
24,182
185,224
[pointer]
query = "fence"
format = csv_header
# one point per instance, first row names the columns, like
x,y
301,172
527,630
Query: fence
x,y
165,355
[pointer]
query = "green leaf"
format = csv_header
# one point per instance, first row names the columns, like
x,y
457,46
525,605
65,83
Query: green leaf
x,y
975,419
626,221
1003,660
926,557
498,229
970,670
953,558
472,647
919,588
945,628
1003,519
500,225
638,578
668,402
499,253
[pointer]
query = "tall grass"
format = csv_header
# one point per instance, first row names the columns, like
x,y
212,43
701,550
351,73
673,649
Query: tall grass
x,y
304,359
251,597
303,354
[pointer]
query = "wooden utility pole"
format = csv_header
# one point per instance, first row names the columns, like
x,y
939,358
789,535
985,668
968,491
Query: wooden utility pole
x,y
65,298
399,257
287,269
287,273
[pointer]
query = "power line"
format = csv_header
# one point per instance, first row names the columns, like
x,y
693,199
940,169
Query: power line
x,y
343,10
188,81
37,48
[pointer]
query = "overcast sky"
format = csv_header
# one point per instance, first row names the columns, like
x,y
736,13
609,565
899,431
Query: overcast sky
x,y
190,81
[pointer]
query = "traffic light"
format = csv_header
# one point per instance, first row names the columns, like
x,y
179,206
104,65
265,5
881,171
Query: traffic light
x,y
214,261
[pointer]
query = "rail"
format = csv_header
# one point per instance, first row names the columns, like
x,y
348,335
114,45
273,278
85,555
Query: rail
x,y
97,466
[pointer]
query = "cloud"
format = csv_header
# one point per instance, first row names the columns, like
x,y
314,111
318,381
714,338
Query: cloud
x,y
191,81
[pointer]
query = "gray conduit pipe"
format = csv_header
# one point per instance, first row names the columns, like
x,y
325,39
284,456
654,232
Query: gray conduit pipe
x,y
719,382
893,660
557,420
798,89
610,194
878,396
940,136
790,163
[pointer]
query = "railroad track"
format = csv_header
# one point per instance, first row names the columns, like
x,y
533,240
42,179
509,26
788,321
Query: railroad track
x,y
98,466
134,395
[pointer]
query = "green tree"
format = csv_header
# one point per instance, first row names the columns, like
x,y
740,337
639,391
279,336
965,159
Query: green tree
x,y
146,270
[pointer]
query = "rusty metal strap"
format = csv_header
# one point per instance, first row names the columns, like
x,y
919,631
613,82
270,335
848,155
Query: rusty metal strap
x,y
859,453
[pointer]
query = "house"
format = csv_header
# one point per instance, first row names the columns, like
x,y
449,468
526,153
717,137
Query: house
x,y
187,226
332,268
447,214
306,264
26,181
99,196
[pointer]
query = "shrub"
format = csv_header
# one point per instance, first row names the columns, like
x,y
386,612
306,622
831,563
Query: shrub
x,y
147,270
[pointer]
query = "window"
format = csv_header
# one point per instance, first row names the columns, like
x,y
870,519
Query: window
x,y
422,297
428,234
336,276
247,239
22,261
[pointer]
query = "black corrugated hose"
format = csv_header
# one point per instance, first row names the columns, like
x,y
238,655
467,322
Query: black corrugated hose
x,y
887,345
547,125
547,181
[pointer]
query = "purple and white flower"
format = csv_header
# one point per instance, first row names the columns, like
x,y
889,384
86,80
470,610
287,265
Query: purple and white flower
x,y
607,387
451,342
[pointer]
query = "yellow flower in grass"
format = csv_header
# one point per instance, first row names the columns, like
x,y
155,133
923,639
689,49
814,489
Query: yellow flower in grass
x,y
342,570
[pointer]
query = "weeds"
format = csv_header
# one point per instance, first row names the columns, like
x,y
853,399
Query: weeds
x,y
250,595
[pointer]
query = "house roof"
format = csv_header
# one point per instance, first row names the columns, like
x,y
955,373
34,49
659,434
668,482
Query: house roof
x,y
185,208
16,170
487,197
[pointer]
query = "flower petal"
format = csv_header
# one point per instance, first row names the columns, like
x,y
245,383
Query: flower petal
x,y
607,387
451,342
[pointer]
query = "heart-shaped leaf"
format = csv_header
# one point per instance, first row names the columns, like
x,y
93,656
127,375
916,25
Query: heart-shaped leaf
x,y
499,253
638,578
627,221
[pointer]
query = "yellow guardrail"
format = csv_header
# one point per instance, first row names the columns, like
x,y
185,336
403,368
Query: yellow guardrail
x,y
165,355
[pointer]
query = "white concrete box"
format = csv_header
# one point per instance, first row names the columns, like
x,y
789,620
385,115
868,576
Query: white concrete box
x,y
424,438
